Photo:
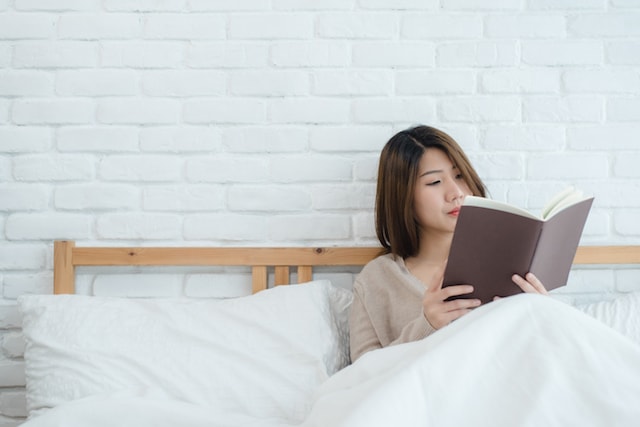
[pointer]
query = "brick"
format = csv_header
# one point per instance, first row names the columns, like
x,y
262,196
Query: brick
x,y
97,197
226,227
53,111
21,256
396,110
145,168
222,5
627,280
10,317
190,198
134,225
268,198
437,82
356,25
352,82
528,26
138,111
145,5
4,111
228,54
485,5
348,138
26,83
609,24
560,53
87,26
13,403
601,81
97,139
13,345
343,197
182,26
623,109
623,52
532,80
5,55
22,284
477,54
97,83
311,4
18,139
224,110
626,222
625,165
441,26
481,109
604,137
267,26
364,229
309,110
56,5
227,285
23,197
309,54
11,373
393,54
563,5
269,83
48,226
232,169
58,54
560,166
577,108
27,26
269,139
315,168
616,198
138,285
499,166
180,139
183,83
147,54
298,227
366,168
524,138
39,167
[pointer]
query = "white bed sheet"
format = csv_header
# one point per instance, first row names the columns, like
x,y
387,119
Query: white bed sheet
x,y
522,361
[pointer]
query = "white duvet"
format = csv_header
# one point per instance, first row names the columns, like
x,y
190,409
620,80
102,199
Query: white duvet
x,y
521,361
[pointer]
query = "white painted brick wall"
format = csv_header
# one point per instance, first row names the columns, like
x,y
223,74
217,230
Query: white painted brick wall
x,y
260,123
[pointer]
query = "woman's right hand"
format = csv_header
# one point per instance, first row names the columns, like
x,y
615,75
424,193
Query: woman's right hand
x,y
440,312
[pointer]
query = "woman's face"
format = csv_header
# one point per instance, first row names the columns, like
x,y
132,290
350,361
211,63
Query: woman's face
x,y
439,192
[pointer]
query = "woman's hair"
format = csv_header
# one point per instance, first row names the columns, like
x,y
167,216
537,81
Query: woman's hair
x,y
396,224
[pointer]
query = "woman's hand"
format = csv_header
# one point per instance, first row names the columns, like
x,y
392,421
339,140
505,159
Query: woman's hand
x,y
529,284
439,312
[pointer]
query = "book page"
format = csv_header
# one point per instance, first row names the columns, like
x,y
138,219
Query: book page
x,y
499,206
562,200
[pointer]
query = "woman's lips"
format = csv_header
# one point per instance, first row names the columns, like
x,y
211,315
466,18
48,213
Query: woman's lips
x,y
454,212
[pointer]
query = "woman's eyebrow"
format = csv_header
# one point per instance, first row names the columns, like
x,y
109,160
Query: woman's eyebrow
x,y
435,171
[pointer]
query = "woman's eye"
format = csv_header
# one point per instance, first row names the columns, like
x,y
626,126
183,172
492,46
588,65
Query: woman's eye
x,y
459,176
434,182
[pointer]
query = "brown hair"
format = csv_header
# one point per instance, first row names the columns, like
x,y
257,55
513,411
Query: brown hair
x,y
396,226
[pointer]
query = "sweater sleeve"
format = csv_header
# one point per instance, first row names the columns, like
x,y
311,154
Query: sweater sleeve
x,y
363,335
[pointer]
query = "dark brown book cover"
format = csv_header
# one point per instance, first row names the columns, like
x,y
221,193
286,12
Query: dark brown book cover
x,y
489,245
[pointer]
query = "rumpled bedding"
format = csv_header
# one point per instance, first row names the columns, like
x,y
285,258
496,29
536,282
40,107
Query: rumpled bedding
x,y
526,360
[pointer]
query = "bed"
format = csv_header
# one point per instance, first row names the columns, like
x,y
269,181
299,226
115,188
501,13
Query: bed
x,y
280,357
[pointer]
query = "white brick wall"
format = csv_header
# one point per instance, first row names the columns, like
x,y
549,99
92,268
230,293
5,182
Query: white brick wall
x,y
260,123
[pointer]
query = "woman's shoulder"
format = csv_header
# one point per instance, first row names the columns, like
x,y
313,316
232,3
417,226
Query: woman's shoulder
x,y
380,267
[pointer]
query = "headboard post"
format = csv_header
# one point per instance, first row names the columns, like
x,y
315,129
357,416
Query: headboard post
x,y
64,271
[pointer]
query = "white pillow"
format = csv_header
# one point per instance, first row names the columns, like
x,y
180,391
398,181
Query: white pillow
x,y
262,355
621,313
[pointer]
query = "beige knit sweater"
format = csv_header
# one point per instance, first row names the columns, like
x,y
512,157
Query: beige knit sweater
x,y
387,306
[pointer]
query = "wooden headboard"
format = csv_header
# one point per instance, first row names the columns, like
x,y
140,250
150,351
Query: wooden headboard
x,y
67,256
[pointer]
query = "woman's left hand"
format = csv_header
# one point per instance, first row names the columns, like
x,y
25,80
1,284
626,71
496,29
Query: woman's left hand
x,y
529,284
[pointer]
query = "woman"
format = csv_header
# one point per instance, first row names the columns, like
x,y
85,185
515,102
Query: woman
x,y
423,178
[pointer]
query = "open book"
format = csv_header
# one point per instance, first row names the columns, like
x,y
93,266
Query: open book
x,y
494,240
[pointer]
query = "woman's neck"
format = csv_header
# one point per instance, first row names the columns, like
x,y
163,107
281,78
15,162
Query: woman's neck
x,y
434,248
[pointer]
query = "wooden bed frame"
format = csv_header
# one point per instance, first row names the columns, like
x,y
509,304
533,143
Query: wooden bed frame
x,y
68,256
